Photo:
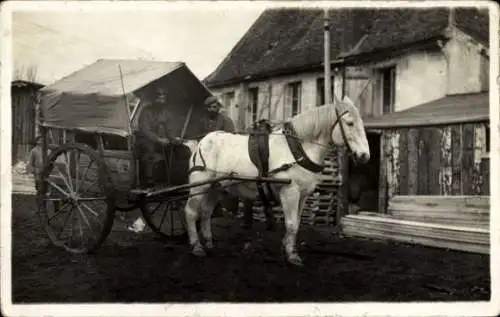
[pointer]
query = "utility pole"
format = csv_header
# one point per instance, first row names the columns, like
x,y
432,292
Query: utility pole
x,y
327,60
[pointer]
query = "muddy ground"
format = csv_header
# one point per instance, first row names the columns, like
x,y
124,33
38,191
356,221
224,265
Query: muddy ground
x,y
246,267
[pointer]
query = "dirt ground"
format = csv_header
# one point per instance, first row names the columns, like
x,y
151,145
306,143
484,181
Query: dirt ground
x,y
246,267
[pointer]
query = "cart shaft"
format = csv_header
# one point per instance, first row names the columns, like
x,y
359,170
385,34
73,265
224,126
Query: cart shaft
x,y
152,193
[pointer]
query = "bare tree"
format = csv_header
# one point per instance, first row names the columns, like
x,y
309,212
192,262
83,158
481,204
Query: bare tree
x,y
27,73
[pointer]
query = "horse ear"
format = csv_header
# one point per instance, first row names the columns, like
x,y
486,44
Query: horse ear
x,y
347,100
335,99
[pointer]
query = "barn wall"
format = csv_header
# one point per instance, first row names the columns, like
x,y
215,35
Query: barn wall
x,y
23,121
440,160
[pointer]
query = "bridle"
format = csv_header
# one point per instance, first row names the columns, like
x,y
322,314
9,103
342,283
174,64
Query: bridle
x,y
342,130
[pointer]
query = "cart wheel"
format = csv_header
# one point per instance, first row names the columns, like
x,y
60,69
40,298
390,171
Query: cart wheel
x,y
165,216
76,204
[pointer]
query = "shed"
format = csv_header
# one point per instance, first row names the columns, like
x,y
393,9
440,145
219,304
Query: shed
x,y
440,148
23,100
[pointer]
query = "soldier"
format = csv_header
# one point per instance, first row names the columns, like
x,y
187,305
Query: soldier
x,y
35,162
216,120
152,136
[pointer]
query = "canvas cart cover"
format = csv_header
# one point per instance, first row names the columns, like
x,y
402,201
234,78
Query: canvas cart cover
x,y
92,99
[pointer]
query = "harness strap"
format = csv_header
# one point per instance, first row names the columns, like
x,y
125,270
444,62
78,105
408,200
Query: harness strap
x,y
298,151
198,168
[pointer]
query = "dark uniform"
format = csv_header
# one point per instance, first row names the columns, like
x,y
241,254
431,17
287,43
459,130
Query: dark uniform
x,y
152,137
216,121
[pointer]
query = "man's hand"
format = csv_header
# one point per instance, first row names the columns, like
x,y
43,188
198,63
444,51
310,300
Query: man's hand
x,y
164,141
177,141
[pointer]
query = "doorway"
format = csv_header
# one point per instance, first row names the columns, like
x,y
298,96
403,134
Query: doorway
x,y
363,179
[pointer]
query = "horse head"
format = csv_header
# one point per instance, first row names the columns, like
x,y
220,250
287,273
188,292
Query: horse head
x,y
348,130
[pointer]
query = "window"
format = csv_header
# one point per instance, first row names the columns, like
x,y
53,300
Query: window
x,y
227,99
227,102
254,103
294,91
320,90
88,138
388,89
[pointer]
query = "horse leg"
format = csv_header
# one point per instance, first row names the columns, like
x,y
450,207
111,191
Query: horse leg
x,y
270,221
192,209
207,208
247,214
290,199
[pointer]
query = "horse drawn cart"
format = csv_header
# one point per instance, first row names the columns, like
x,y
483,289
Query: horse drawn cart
x,y
90,158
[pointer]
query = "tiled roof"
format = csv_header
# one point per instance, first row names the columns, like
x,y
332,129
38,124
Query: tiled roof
x,y
450,109
25,83
393,28
286,39
289,40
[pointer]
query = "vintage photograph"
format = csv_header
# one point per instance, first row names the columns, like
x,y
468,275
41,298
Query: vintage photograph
x,y
175,153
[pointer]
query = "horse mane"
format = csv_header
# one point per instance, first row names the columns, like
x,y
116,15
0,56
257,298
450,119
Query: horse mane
x,y
311,123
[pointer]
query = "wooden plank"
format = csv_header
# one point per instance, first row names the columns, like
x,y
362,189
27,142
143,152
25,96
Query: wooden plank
x,y
485,172
446,172
435,231
392,233
382,189
475,248
456,160
467,159
416,225
440,201
412,161
403,162
394,150
435,167
423,159
439,219
479,148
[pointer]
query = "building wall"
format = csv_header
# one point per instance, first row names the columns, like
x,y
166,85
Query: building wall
x,y
468,69
23,121
439,160
424,76
272,97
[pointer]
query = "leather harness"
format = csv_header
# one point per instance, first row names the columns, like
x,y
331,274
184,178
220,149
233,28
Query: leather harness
x,y
258,150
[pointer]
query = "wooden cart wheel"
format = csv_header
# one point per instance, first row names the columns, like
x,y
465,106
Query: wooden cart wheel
x,y
75,202
165,216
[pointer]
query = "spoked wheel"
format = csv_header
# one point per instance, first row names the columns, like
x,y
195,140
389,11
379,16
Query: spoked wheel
x,y
75,204
165,216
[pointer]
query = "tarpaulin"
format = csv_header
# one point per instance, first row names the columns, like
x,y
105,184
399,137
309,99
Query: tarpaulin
x,y
92,99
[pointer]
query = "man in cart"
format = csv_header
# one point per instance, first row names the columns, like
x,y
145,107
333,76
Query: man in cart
x,y
153,136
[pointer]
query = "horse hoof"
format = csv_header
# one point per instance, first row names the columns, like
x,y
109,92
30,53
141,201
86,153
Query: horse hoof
x,y
199,252
295,261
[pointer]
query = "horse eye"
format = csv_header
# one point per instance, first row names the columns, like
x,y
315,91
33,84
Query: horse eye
x,y
350,123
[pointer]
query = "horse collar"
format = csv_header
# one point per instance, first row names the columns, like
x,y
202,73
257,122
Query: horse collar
x,y
297,150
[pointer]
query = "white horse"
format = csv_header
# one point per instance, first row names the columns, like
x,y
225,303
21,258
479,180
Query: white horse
x,y
220,153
